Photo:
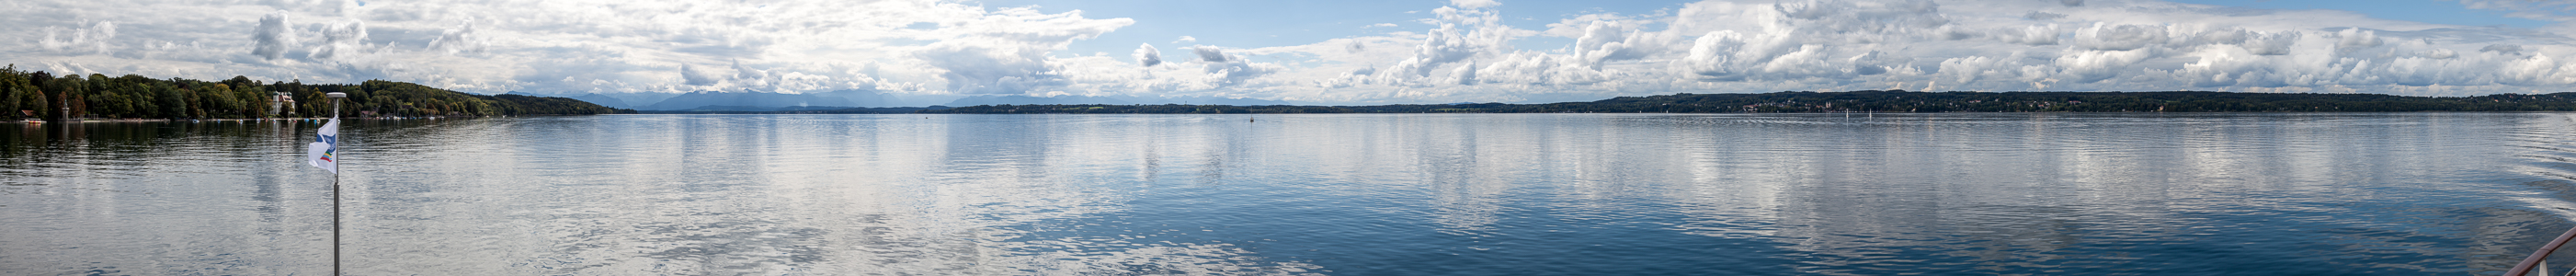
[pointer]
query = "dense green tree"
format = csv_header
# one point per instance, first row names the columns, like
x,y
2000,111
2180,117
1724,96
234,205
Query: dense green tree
x,y
9,100
11,88
35,100
66,92
134,96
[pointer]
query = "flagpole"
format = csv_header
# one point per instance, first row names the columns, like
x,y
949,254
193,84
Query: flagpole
x,y
335,190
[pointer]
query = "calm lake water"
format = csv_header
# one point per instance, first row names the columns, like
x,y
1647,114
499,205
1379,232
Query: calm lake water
x,y
1413,194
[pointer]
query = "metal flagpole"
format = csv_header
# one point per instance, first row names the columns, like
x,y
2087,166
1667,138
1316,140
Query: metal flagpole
x,y
335,188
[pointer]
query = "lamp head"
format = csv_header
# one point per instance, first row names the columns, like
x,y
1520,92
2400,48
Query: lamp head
x,y
337,95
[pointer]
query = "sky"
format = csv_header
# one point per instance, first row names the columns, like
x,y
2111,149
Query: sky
x,y
1320,52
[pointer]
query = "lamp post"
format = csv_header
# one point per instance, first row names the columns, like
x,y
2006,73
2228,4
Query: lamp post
x,y
335,103
335,190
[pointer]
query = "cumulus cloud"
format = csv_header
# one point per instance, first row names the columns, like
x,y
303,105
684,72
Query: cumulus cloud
x,y
2043,16
694,76
1474,4
1009,53
1605,41
2508,49
2528,9
1209,53
1463,34
2123,37
1465,54
1830,45
90,40
340,40
1872,63
274,36
750,76
1713,56
2034,35
2355,39
1146,55
974,69
2270,43
2099,65
1224,69
461,39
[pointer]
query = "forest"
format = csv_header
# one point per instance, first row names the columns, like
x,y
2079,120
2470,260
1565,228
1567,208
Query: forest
x,y
1893,101
38,94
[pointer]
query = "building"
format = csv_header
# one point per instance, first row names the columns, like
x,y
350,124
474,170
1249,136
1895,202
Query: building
x,y
281,104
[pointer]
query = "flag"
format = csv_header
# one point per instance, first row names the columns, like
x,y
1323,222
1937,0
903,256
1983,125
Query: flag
x,y
325,151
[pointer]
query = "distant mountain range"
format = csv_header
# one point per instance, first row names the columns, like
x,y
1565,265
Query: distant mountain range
x,y
754,99
769,101
1026,100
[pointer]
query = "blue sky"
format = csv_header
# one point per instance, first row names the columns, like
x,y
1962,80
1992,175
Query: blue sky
x,y
1323,52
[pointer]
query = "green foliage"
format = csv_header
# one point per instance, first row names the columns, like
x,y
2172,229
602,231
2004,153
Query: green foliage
x,y
133,96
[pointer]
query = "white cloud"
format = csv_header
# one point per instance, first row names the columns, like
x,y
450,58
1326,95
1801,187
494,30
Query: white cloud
x,y
275,36
2100,65
1474,4
2121,37
2529,9
1209,53
1467,53
2509,49
339,40
2271,43
698,76
1605,41
2034,35
1146,55
461,39
91,40
1713,56
1466,75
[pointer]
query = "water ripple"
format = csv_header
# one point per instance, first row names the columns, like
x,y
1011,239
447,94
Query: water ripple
x,y
1413,194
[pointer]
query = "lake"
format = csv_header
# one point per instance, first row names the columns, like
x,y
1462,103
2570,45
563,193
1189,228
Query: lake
x,y
1350,194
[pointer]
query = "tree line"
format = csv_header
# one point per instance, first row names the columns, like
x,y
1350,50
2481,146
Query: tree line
x,y
1888,101
39,94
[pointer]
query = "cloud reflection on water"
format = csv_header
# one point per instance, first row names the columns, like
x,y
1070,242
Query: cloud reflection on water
x,y
1286,194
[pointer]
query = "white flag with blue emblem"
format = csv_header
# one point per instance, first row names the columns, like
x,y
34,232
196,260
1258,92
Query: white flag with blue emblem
x,y
325,151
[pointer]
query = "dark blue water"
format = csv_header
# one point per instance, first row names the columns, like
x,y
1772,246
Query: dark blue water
x,y
1413,194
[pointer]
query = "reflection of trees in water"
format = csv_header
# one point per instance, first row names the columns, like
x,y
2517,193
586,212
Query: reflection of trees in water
x,y
537,196
770,195
1052,195
81,193
90,154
